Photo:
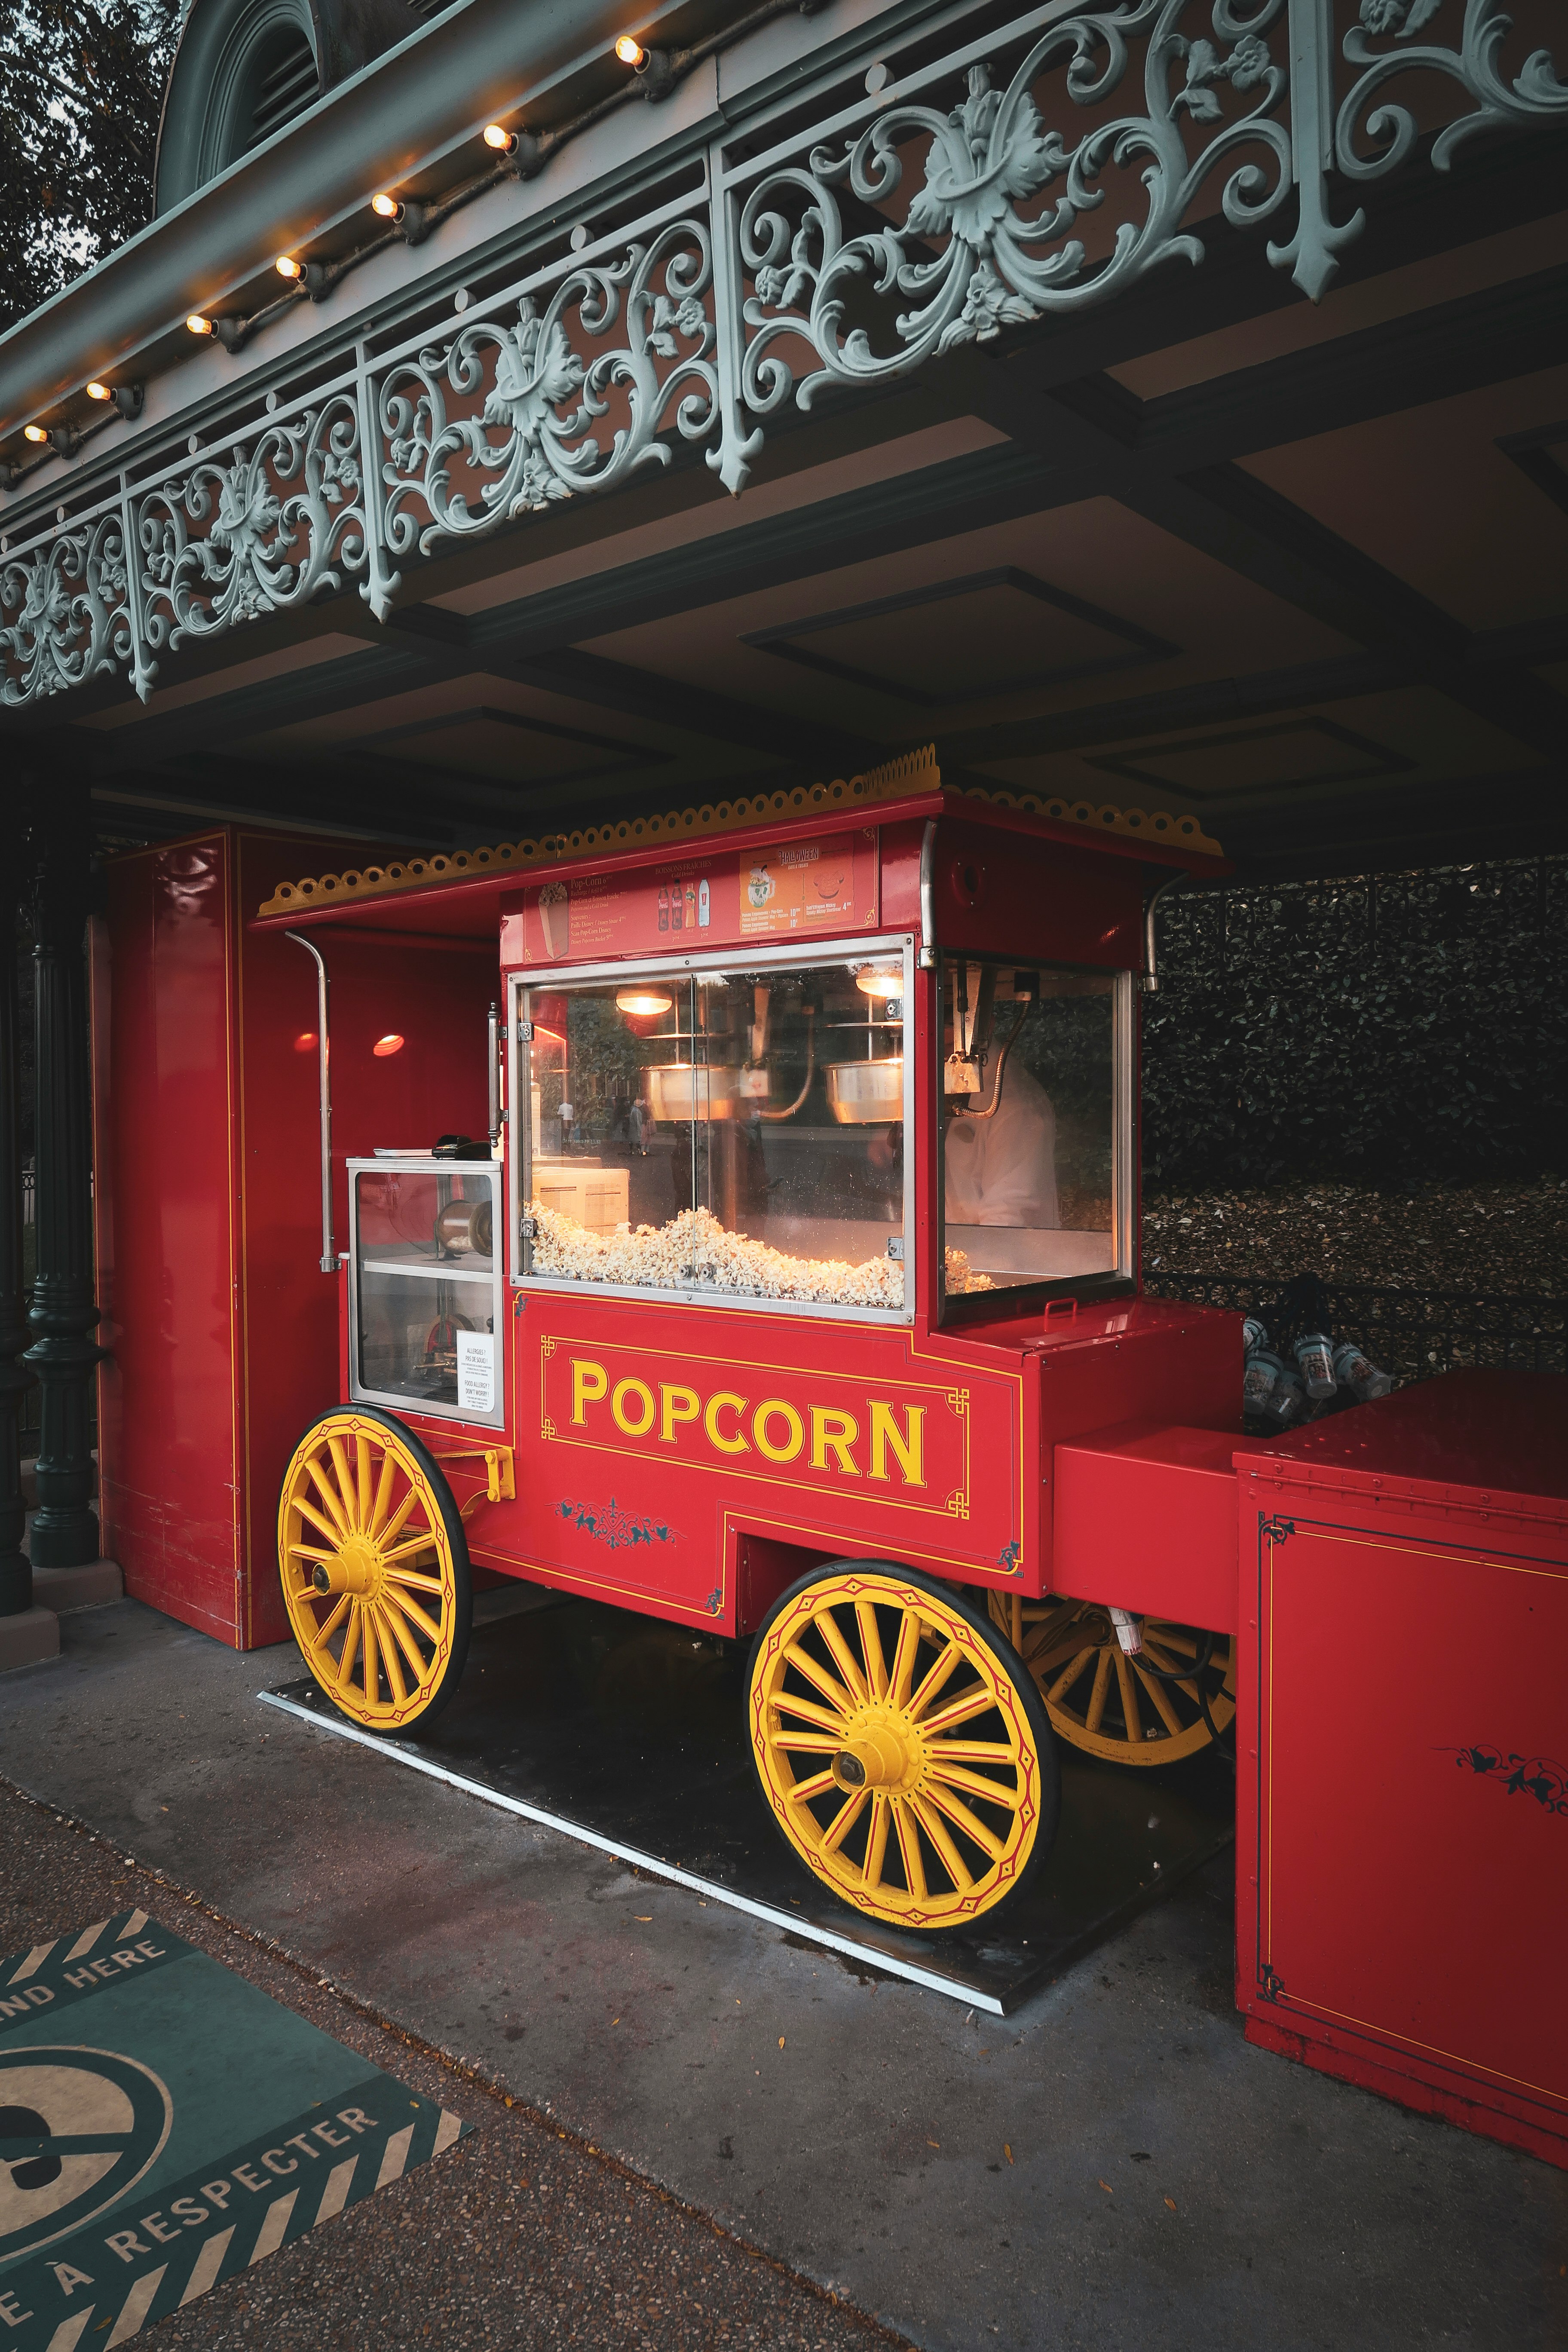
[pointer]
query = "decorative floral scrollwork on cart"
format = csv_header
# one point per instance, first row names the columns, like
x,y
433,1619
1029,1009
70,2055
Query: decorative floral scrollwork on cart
x,y
1517,1775
533,431
614,1528
72,620
1384,43
981,245
234,541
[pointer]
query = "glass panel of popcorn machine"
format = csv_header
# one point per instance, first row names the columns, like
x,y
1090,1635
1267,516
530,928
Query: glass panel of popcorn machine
x,y
1029,1124
424,1270
738,1132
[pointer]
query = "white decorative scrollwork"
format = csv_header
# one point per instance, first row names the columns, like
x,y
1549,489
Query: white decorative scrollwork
x,y
542,397
968,258
72,621
1535,94
266,547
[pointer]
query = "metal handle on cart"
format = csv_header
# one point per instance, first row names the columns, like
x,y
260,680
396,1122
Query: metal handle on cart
x,y
495,1075
1151,967
927,958
329,1259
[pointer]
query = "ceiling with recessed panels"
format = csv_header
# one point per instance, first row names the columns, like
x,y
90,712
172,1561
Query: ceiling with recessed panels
x,y
1302,569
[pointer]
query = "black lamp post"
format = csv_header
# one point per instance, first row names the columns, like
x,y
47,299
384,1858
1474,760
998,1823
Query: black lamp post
x,y
15,1571
63,1355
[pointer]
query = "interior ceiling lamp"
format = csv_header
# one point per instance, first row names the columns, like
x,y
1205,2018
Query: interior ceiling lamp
x,y
883,982
643,1003
391,1043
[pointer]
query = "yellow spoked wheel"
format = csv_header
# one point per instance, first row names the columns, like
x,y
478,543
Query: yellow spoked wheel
x,y
904,1759
375,1569
1120,1708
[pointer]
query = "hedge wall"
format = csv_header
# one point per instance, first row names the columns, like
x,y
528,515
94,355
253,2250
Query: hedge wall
x,y
1382,1029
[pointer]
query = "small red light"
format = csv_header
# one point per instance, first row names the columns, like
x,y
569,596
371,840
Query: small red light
x,y
305,1042
392,1043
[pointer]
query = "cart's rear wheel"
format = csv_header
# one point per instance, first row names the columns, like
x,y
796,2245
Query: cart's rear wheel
x,y
375,1569
904,1759
1112,1706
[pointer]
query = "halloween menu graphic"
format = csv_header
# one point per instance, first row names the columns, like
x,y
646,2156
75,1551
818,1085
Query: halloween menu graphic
x,y
827,883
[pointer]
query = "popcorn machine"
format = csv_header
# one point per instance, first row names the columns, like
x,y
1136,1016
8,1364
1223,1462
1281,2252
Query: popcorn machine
x,y
793,1295
805,1231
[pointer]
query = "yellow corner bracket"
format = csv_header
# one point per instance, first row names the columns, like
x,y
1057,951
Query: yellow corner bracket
x,y
500,1484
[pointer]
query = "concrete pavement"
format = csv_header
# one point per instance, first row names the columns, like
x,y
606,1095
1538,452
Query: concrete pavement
x,y
1111,2166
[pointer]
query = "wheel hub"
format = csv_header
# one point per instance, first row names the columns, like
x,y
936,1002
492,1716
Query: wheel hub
x,y
354,1568
881,1752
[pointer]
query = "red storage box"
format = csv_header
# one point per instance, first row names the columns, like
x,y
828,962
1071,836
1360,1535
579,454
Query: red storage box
x,y
1402,1788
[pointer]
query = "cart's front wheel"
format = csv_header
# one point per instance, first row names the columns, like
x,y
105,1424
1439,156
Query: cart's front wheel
x,y
375,1569
1146,1709
902,1755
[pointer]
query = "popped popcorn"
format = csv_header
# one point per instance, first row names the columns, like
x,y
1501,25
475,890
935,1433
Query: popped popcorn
x,y
695,1248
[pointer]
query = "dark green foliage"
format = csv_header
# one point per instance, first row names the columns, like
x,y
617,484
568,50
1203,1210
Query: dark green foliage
x,y
1385,1029
81,85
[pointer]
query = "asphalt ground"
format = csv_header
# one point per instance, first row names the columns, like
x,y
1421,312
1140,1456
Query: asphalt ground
x,y
752,2128
522,2235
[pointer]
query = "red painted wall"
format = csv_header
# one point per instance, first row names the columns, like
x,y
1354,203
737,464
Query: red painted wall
x,y
222,1326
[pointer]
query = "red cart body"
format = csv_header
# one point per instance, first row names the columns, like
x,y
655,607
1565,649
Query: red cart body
x,y
690,1458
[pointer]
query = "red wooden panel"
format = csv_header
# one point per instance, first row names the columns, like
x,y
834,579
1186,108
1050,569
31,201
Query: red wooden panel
x,y
1402,1800
1001,893
824,1434
1145,1519
170,1470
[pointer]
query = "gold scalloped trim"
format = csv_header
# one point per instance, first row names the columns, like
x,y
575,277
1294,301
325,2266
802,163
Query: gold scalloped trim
x,y
913,771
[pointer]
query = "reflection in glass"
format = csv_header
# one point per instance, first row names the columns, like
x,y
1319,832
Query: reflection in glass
x,y
424,1267
1028,1120
740,1133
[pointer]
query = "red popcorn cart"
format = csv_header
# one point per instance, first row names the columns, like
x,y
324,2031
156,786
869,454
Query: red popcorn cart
x,y
805,1233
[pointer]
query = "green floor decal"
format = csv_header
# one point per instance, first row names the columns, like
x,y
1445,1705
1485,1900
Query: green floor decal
x,y
164,2125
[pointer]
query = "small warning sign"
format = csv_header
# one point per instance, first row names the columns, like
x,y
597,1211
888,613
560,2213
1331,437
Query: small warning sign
x,y
164,2125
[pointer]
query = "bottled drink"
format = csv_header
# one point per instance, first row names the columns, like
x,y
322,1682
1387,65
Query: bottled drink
x,y
1315,1361
1357,1373
1253,1335
1286,1402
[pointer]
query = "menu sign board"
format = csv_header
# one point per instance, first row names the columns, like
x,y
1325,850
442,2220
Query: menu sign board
x,y
793,888
799,885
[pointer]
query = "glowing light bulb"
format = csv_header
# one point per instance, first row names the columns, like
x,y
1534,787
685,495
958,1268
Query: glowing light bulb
x,y
642,1003
197,325
34,433
286,267
305,1042
630,50
498,136
386,207
391,1043
96,391
883,985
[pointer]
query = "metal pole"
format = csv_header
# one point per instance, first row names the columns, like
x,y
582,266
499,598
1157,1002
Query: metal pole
x,y
64,1312
329,1258
16,1569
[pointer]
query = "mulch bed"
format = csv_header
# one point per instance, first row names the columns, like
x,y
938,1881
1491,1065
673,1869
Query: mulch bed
x,y
1506,1239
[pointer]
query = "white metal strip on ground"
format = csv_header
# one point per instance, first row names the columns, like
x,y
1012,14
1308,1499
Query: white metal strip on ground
x,y
791,1921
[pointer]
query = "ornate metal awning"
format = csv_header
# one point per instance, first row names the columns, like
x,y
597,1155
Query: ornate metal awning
x,y
936,179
